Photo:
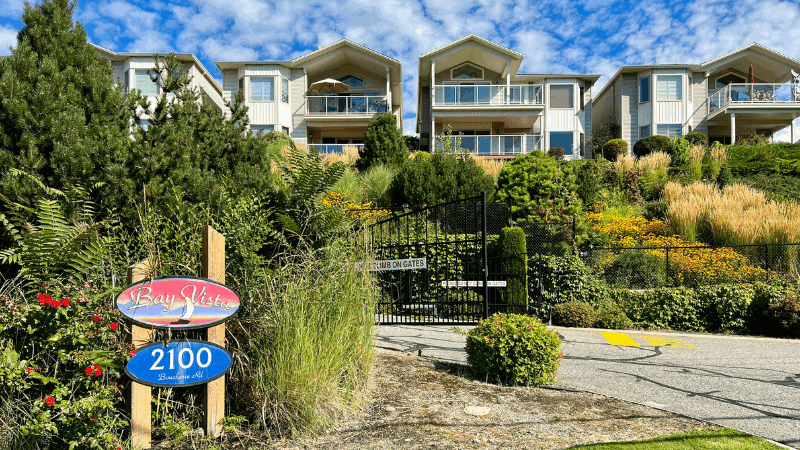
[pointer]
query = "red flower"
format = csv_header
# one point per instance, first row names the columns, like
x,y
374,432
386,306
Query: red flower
x,y
133,353
97,371
113,326
65,302
93,416
42,300
50,401
30,370
54,304
89,370
96,318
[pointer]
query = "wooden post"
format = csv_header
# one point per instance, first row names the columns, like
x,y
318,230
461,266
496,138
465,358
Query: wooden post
x,y
141,426
214,269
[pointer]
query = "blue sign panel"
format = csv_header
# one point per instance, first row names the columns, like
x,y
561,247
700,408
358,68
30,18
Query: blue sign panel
x,y
181,363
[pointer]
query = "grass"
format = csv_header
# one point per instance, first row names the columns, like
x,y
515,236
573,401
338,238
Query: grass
x,y
696,155
716,439
491,167
376,181
654,162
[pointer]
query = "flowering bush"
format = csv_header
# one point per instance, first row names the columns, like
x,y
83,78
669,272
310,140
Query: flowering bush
x,y
60,364
361,212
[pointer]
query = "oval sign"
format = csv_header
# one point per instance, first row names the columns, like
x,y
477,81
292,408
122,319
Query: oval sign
x,y
178,302
181,363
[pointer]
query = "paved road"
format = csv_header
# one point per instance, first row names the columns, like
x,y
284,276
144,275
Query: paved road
x,y
751,384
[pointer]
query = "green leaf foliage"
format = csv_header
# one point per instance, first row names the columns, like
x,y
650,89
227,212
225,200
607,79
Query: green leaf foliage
x,y
615,148
559,279
514,264
574,314
651,144
513,349
441,178
539,188
383,143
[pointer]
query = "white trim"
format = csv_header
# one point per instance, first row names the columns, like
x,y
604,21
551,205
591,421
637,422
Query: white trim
x,y
483,72
730,72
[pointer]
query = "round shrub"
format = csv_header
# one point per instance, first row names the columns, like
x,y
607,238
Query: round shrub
x,y
574,314
610,315
782,318
650,144
696,138
556,153
421,155
513,349
614,148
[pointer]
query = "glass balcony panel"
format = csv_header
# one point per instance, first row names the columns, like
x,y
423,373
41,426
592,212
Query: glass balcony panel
x,y
468,143
449,95
467,95
484,94
358,105
484,145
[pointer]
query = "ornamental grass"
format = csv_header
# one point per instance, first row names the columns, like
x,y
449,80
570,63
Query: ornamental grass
x,y
696,155
348,156
717,157
491,167
654,162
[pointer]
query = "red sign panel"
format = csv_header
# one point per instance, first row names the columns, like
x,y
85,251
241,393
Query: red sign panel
x,y
178,302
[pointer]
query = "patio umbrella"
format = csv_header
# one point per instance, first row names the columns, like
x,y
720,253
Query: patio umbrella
x,y
752,80
329,86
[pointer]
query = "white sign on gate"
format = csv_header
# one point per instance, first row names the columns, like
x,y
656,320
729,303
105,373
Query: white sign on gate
x,y
395,264
490,283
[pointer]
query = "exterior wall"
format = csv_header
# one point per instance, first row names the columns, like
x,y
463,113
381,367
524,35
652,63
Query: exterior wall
x,y
562,119
670,112
699,111
603,110
297,105
645,110
588,120
630,110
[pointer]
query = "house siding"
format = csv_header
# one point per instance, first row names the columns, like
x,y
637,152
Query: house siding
x,y
297,105
699,121
630,104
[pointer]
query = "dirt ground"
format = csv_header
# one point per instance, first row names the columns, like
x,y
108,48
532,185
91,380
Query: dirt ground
x,y
416,404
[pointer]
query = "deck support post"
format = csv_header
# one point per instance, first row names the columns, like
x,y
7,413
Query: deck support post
x,y
733,128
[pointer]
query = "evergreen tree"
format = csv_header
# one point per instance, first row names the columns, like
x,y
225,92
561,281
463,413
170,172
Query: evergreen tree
x,y
61,118
383,143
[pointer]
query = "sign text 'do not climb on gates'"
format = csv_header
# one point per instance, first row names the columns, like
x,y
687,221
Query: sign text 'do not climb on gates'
x,y
395,264
178,303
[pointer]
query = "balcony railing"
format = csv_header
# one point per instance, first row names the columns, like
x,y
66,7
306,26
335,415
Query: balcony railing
x,y
487,95
754,93
346,105
333,148
496,145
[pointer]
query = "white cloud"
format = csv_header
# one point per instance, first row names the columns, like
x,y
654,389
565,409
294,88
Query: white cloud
x,y
8,38
11,8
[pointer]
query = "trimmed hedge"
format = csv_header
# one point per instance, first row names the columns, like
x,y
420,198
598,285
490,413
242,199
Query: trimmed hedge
x,y
650,144
614,148
574,314
696,138
563,279
514,263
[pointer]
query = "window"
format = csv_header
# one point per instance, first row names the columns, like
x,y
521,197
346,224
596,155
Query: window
x,y
262,129
669,87
644,131
669,130
562,139
582,94
284,90
644,90
466,71
285,130
728,79
261,89
353,82
145,84
582,144
145,124
561,96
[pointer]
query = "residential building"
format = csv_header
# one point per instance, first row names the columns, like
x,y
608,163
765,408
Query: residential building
x,y
472,86
278,97
717,98
131,72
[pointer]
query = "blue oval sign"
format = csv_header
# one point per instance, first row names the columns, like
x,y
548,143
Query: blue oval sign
x,y
181,363
178,302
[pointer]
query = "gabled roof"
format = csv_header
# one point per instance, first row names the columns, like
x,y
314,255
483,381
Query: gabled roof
x,y
474,38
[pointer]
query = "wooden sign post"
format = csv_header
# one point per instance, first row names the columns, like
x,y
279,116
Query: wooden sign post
x,y
214,269
141,426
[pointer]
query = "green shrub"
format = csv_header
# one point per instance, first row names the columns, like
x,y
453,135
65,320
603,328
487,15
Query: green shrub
x,y
726,306
574,314
441,178
604,133
514,262
614,149
383,143
664,308
651,144
420,154
651,184
635,269
696,138
349,185
513,349
377,182
588,176
656,210
556,153
610,315
562,279
540,189
679,150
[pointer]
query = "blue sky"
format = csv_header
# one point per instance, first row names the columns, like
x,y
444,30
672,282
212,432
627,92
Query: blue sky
x,y
556,36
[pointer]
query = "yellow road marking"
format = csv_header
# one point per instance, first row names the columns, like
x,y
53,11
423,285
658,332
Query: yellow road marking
x,y
657,341
619,339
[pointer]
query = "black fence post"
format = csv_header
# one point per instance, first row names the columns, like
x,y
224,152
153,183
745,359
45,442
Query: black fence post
x,y
485,259
666,259
766,259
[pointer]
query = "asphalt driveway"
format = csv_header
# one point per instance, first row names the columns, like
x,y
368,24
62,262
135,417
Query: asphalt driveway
x,y
751,384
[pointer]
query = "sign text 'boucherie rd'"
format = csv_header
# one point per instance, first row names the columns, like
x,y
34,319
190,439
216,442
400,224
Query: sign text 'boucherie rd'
x,y
180,303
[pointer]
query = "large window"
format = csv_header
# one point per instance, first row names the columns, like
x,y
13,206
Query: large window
x,y
644,131
561,96
145,84
353,82
261,89
644,90
670,87
562,139
284,90
262,129
466,71
669,130
725,80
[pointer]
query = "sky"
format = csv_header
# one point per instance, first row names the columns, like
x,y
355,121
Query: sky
x,y
556,36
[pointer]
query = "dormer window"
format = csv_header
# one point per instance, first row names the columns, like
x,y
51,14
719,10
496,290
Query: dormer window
x,y
353,82
466,72
729,78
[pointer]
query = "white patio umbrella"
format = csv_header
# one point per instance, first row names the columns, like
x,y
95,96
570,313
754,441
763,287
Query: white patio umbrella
x,y
329,86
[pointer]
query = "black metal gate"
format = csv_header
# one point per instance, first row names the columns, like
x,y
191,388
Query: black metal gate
x,y
433,263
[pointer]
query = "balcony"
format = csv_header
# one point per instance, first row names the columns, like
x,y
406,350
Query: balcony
x,y
337,106
488,95
755,94
333,148
496,145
